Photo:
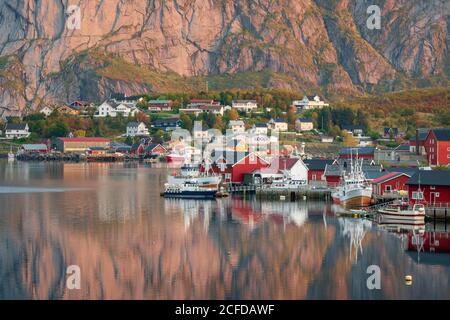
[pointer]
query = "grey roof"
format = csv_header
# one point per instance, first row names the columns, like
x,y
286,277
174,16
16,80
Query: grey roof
x,y
360,150
370,174
333,170
406,170
442,134
133,124
34,147
261,125
431,177
317,164
15,126
305,119
166,121
231,157
402,147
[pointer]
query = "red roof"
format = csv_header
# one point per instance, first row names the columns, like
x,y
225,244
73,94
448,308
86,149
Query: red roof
x,y
85,139
388,176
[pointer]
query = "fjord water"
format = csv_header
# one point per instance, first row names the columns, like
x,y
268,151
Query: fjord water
x,y
130,243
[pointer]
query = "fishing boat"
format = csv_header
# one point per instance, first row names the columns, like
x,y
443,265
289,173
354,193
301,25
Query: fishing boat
x,y
403,214
354,190
188,191
190,173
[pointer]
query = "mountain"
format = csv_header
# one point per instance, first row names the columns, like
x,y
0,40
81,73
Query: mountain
x,y
137,46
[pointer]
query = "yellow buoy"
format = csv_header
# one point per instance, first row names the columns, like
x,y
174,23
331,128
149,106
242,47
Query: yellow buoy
x,y
408,280
355,216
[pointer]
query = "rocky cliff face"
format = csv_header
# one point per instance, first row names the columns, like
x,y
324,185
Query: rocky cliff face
x,y
135,45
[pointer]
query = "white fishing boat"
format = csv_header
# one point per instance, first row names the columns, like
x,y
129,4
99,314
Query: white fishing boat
x,y
354,190
192,174
401,214
188,191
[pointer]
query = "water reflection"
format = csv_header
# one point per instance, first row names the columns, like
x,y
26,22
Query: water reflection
x,y
131,243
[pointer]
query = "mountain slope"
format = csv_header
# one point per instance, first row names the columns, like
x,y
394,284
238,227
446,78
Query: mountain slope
x,y
134,46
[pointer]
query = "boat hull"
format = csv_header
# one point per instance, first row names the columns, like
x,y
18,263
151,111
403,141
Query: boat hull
x,y
208,194
353,202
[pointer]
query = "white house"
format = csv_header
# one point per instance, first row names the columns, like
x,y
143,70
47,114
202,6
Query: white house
x,y
260,129
137,129
278,125
309,102
291,168
17,130
304,124
46,111
237,126
245,105
112,109
216,109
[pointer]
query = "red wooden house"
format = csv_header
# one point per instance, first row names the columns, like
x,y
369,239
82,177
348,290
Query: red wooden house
x,y
437,147
316,168
234,165
434,187
390,182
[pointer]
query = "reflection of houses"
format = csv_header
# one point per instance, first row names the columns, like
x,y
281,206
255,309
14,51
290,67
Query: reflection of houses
x,y
355,230
434,187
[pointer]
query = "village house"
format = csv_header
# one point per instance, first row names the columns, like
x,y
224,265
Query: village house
x,y
316,169
135,129
437,147
113,109
309,102
430,187
67,110
120,147
389,183
333,173
18,131
46,111
417,143
291,168
236,126
200,102
167,124
260,129
200,131
304,124
354,130
154,149
97,151
216,109
278,124
81,144
244,105
233,166
390,133
160,105
326,139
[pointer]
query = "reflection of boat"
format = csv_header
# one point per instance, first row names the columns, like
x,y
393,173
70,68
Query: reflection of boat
x,y
188,191
174,157
355,230
355,190
403,214
11,155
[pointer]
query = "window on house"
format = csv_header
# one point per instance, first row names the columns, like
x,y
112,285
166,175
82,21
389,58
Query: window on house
x,y
417,195
432,187
388,188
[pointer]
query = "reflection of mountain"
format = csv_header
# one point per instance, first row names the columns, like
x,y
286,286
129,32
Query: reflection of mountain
x,y
153,248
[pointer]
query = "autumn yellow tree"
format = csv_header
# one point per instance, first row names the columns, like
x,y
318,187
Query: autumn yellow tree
x,y
349,140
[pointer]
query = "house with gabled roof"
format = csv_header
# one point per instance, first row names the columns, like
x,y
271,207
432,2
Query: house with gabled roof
x,y
437,147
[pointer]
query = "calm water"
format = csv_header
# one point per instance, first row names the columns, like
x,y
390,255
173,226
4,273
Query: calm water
x,y
130,243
